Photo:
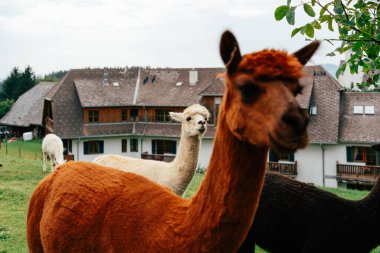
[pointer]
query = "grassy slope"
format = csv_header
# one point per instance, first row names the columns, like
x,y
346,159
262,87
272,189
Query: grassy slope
x,y
18,178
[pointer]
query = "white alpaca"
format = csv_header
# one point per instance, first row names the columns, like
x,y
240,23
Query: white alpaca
x,y
52,148
177,174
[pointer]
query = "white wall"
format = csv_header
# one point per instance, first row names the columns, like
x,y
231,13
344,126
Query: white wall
x,y
309,164
113,146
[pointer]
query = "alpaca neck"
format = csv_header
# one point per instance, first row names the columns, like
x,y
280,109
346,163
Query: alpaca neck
x,y
186,161
223,209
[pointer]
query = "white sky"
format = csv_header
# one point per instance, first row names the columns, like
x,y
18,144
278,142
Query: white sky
x,y
52,35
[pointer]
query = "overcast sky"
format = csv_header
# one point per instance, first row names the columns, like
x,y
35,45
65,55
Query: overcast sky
x,y
51,35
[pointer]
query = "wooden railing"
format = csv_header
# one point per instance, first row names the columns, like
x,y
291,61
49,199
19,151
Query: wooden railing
x,y
164,158
357,172
287,168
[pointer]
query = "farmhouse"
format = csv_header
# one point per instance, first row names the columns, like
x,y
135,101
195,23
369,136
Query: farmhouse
x,y
126,111
26,113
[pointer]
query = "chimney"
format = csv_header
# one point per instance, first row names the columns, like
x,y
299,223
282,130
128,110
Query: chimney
x,y
193,77
105,78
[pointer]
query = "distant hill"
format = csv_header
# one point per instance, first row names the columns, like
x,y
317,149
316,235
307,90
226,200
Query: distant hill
x,y
331,68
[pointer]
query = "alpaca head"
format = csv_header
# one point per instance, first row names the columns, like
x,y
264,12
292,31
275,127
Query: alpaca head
x,y
259,103
194,120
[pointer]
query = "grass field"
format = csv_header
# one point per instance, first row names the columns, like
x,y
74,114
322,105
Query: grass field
x,y
19,176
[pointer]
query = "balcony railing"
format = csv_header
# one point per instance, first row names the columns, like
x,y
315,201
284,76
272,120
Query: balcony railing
x,y
352,172
163,158
286,168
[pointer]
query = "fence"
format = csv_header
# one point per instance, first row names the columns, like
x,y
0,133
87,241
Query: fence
x,y
20,150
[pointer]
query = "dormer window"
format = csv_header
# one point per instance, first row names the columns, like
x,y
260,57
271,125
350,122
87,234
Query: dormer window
x,y
313,110
358,109
369,109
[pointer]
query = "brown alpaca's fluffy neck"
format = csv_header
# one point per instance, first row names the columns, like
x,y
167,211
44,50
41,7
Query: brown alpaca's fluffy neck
x,y
222,211
186,161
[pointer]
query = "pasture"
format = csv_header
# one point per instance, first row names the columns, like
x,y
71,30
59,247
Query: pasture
x,y
21,171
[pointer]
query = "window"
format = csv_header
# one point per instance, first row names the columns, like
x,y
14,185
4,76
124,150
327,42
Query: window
x,y
362,154
217,101
93,116
358,109
313,110
275,157
162,115
93,147
124,145
164,147
134,145
369,109
123,115
134,114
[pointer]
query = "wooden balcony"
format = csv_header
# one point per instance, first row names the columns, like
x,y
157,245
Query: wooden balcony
x,y
285,168
163,158
358,173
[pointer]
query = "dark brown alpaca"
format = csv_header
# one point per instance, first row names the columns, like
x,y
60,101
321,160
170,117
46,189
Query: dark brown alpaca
x,y
296,217
84,207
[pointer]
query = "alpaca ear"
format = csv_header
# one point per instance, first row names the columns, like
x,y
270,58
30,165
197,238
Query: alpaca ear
x,y
176,116
230,52
305,53
376,147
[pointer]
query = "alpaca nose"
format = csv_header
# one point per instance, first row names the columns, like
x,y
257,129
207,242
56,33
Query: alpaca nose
x,y
298,119
202,122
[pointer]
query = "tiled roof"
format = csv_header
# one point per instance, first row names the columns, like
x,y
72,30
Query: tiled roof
x,y
120,88
216,88
28,108
324,127
360,128
171,87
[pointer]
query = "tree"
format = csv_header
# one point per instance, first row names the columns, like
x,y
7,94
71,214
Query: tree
x,y
5,106
17,83
358,30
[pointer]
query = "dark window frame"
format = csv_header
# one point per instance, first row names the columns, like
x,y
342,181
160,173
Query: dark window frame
x,y
124,145
93,116
134,145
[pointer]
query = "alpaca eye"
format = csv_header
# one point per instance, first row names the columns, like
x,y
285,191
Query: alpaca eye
x,y
188,118
250,92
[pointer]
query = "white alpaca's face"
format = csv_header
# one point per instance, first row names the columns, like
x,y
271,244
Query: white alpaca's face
x,y
195,125
194,122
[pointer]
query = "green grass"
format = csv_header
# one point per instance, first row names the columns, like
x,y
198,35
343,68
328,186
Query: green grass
x,y
19,177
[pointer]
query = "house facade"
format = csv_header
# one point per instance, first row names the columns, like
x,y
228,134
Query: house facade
x,y
126,112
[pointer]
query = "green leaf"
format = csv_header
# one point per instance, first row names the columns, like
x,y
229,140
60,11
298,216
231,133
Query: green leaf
x,y
309,31
330,54
330,25
325,18
348,23
290,15
309,10
316,24
280,12
338,9
295,31
357,45
313,2
324,8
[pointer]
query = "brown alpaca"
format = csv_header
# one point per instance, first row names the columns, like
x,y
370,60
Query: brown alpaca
x,y
84,207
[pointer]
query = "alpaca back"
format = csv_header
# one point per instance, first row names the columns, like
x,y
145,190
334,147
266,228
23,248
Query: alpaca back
x,y
52,145
156,171
94,199
297,217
